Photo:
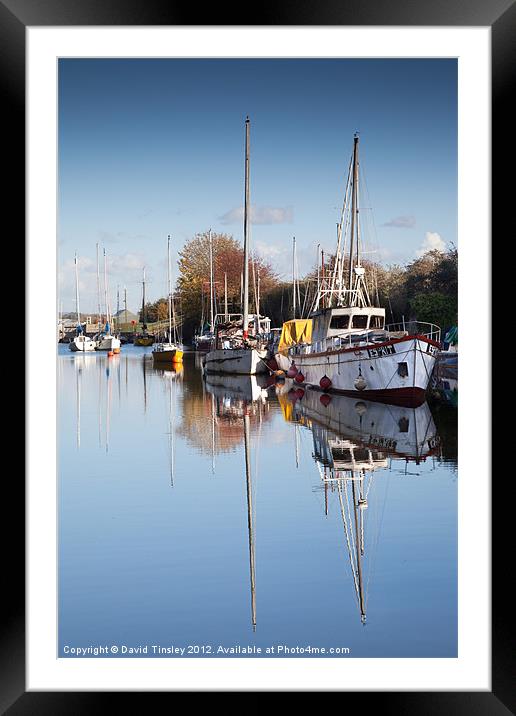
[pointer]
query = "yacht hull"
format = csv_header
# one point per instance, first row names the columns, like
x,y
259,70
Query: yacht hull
x,y
236,361
108,343
168,356
82,344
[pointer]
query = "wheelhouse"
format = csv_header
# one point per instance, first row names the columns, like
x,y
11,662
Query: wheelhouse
x,y
330,322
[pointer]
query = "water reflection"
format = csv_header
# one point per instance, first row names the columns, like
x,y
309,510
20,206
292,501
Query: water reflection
x,y
236,401
352,439
162,428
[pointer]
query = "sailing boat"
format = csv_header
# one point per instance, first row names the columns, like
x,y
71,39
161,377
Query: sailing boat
x,y
105,340
169,351
143,339
81,342
238,348
350,349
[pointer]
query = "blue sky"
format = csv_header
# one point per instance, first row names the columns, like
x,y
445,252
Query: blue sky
x,y
155,147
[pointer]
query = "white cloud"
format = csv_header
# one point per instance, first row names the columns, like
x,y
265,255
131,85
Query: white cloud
x,y
125,269
259,215
402,222
432,242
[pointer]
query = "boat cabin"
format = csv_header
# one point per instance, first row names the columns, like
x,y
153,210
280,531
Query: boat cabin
x,y
329,322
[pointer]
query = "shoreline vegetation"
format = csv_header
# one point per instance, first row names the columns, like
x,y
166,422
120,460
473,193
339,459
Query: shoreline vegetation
x,y
424,289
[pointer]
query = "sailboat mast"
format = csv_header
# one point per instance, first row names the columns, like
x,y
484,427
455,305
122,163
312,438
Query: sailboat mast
x,y
169,292
318,278
353,211
250,517
245,308
143,301
258,295
212,325
98,290
77,292
106,289
225,296
358,556
294,274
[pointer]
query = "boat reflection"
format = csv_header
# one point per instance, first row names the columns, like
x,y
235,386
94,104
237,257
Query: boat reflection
x,y
395,430
354,442
236,401
212,412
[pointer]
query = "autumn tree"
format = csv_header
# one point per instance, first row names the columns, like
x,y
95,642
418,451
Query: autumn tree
x,y
157,311
194,277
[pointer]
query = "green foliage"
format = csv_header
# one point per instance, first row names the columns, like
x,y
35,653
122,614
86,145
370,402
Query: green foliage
x,y
435,308
157,311
423,290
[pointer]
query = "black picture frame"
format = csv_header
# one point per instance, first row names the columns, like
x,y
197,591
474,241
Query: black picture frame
x,y
15,16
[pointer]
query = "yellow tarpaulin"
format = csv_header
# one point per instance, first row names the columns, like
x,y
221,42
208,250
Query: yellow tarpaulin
x,y
287,407
295,331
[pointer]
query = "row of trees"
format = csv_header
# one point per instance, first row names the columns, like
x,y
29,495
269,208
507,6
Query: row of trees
x,y
424,289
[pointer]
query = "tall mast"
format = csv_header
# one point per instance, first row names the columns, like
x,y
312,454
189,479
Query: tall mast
x,y
169,291
322,279
125,304
77,291
225,296
212,325
106,290
358,556
245,310
353,212
318,278
294,274
258,295
250,516
99,320
143,301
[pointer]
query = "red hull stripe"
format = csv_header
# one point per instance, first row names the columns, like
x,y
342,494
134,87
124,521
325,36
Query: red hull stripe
x,y
405,397
424,339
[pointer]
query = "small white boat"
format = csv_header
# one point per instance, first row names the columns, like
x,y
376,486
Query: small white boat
x,y
107,342
81,343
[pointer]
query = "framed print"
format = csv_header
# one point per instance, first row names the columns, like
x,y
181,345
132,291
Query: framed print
x,y
195,523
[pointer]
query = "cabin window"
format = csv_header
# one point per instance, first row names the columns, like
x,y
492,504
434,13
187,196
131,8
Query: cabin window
x,y
359,321
403,370
339,322
376,322
361,455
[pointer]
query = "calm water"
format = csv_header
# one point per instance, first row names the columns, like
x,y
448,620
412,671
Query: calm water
x,y
221,514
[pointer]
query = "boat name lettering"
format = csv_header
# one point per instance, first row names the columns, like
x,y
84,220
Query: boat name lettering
x,y
431,349
379,441
381,351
